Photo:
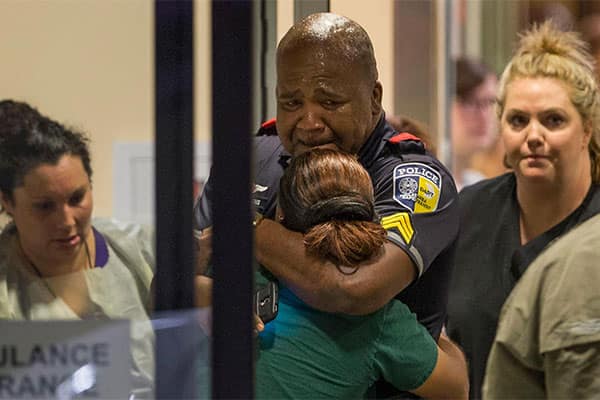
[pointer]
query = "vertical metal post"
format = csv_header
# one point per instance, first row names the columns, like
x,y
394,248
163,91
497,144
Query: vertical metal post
x,y
444,79
267,74
174,165
233,360
303,8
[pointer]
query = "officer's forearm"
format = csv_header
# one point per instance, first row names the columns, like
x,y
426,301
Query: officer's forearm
x,y
457,374
323,286
203,253
203,291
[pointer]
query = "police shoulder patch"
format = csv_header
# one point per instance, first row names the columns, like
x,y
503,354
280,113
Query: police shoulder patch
x,y
417,187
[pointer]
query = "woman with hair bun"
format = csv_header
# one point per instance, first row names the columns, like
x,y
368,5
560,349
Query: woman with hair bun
x,y
328,196
549,115
305,353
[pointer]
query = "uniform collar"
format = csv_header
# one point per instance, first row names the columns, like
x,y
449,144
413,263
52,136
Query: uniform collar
x,y
375,143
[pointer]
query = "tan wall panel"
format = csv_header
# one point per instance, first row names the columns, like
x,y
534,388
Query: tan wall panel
x,y
203,70
285,17
90,64
87,63
377,19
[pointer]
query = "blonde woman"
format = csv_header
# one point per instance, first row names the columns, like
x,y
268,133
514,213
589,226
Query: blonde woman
x,y
548,110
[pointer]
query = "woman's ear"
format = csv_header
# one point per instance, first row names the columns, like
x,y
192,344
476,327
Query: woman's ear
x,y
376,98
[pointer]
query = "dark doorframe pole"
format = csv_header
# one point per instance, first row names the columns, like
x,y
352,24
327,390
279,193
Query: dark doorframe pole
x,y
303,8
174,105
174,153
233,343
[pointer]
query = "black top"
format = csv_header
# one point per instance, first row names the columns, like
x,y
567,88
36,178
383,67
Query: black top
x,y
414,194
490,260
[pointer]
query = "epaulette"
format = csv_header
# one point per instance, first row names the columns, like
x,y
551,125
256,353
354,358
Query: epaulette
x,y
404,142
268,128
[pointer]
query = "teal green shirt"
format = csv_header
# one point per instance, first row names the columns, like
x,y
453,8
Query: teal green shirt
x,y
305,353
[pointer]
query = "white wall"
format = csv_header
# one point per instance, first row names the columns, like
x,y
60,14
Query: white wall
x,y
377,18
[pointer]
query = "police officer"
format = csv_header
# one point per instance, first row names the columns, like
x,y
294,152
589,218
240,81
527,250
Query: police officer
x,y
329,96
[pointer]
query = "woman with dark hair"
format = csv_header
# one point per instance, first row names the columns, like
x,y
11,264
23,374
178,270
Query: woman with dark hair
x,y
10,109
305,353
55,262
403,123
473,125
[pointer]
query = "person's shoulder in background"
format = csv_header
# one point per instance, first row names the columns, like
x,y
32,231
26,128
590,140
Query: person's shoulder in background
x,y
403,123
549,329
568,277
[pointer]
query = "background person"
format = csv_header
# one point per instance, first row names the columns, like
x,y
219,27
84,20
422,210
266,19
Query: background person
x,y
403,123
589,26
473,128
55,262
548,108
327,196
548,339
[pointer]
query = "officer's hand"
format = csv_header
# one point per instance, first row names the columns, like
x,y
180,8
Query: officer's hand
x,y
259,326
203,240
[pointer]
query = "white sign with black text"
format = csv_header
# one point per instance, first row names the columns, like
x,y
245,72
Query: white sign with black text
x,y
64,359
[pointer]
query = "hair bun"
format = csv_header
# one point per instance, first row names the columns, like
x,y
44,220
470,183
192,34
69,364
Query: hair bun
x,y
347,207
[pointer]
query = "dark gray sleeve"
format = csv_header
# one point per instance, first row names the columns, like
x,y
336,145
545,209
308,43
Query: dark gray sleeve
x,y
267,171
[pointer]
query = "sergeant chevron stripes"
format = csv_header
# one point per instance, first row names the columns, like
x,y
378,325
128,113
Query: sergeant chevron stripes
x,y
400,221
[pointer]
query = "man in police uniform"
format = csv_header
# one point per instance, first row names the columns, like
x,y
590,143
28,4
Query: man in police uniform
x,y
328,96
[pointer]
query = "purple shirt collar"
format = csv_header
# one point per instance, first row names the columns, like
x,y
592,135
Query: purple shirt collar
x,y
101,249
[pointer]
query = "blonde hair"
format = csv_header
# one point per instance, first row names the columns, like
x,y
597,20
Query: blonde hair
x,y
545,51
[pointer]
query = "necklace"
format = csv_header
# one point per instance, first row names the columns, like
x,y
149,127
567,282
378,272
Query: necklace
x,y
41,277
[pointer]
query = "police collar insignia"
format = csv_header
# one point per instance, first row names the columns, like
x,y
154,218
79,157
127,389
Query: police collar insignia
x,y
259,188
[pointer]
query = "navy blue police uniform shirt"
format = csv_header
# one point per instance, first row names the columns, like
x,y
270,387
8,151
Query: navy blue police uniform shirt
x,y
415,197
